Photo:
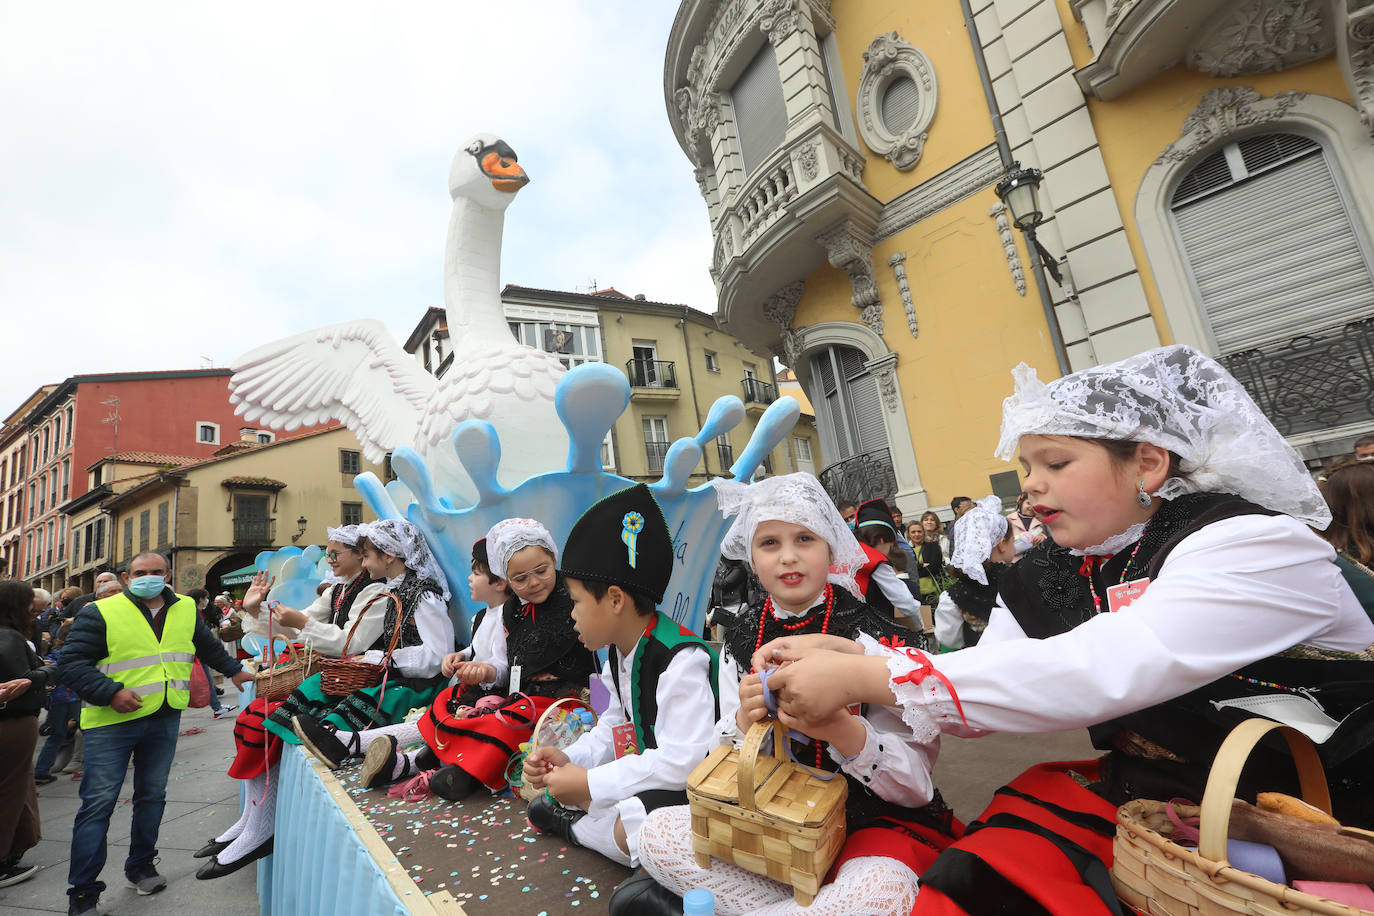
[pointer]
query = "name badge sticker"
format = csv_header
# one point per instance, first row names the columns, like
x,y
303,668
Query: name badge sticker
x,y
623,739
515,679
1123,595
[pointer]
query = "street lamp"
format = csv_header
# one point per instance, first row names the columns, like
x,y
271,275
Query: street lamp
x,y
1020,191
300,523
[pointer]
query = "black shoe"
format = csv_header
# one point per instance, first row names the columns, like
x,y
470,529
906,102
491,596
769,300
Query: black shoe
x,y
219,691
213,868
14,873
145,879
452,782
552,818
84,905
380,762
641,895
42,781
212,848
322,741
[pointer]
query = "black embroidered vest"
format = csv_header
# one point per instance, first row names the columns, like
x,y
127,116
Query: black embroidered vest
x,y
1048,594
848,618
351,590
410,590
542,641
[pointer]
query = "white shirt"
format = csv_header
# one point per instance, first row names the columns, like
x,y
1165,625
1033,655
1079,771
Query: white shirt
x,y
885,577
436,635
1238,591
949,623
489,645
319,633
899,772
686,714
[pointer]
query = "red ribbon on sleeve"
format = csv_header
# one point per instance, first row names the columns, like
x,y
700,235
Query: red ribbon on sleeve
x,y
923,669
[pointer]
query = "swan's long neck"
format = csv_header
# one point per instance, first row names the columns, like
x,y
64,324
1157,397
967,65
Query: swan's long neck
x,y
472,271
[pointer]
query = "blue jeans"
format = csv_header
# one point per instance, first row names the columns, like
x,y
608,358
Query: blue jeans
x,y
215,704
151,742
58,716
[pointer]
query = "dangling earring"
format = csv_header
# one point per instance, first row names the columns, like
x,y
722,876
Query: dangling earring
x,y
1141,496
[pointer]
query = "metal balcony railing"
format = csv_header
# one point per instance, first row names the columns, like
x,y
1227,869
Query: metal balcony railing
x,y
656,452
1313,382
862,477
757,391
651,373
726,453
254,532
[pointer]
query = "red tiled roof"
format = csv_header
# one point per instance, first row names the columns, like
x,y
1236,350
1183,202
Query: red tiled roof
x,y
157,458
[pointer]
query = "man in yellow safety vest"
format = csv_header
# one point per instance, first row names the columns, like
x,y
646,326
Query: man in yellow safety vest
x,y
129,657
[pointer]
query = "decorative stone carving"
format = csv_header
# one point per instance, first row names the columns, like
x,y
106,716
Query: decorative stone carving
x,y
884,371
1018,273
778,19
1357,36
887,59
1116,11
847,248
1262,36
808,159
898,264
1222,112
780,308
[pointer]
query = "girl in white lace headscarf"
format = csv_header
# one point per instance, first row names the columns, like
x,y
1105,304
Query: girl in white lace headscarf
x,y
796,498
1213,605
887,771
397,538
982,542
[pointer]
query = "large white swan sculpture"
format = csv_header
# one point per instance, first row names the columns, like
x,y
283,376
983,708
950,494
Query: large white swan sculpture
x,y
356,372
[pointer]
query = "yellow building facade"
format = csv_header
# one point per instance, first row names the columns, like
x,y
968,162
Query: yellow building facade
x,y
212,517
1208,178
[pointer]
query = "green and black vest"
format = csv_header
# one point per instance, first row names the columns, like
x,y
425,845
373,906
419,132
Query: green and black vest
x,y
661,641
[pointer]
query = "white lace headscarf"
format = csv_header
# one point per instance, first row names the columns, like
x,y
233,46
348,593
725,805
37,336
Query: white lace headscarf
x,y
1179,399
511,534
345,534
975,534
397,538
796,498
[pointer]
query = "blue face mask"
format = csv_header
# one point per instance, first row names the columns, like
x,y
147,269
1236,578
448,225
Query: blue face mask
x,y
147,586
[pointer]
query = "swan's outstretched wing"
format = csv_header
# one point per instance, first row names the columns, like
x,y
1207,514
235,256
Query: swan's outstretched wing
x,y
484,377
353,371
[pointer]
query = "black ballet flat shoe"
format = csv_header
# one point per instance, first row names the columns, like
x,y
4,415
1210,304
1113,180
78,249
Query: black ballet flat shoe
x,y
554,819
641,895
379,763
322,741
213,869
452,782
212,848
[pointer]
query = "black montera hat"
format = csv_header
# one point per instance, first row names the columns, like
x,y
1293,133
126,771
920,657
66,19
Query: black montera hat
x,y
875,512
622,540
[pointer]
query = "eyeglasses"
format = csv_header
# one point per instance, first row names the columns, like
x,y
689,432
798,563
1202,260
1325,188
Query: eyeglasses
x,y
335,554
538,572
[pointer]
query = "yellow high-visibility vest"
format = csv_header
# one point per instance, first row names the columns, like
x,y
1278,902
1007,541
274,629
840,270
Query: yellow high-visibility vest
x,y
156,670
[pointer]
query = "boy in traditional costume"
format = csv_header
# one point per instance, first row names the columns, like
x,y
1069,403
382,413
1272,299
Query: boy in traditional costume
x,y
661,679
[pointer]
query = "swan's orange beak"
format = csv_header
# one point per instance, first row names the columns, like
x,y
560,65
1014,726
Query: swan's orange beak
x,y
505,173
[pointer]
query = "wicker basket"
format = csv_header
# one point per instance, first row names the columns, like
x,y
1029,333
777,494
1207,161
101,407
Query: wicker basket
x,y
768,815
341,676
279,679
1157,876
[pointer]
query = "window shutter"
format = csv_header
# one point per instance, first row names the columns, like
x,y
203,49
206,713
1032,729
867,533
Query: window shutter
x,y
867,406
760,112
1275,255
901,105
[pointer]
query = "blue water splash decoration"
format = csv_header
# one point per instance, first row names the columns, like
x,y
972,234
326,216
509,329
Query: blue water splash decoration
x,y
589,399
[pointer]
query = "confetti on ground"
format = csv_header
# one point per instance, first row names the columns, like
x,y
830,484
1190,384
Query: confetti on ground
x,y
485,853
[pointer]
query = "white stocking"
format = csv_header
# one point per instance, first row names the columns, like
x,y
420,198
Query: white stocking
x,y
865,886
254,790
405,733
262,821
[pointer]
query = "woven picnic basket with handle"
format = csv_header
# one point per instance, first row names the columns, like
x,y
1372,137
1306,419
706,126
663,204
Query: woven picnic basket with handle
x,y
278,679
1158,876
767,814
341,676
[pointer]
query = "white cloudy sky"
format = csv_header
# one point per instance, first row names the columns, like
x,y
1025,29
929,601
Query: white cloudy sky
x,y
186,180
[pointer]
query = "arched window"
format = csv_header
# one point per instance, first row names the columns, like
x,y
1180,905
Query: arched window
x,y
848,407
1269,243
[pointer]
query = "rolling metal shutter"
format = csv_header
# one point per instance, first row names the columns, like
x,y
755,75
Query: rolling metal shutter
x,y
901,105
760,112
1269,242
